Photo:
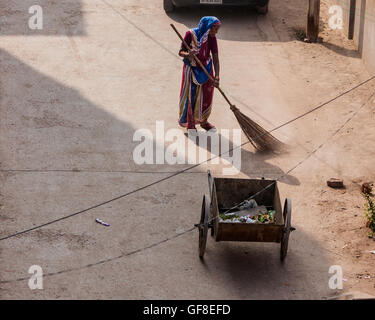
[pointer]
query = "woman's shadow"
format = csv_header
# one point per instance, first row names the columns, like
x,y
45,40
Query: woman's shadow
x,y
254,164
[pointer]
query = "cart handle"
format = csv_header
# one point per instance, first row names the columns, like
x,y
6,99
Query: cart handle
x,y
210,183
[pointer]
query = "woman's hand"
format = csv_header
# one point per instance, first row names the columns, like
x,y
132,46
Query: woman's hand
x,y
216,82
188,54
192,53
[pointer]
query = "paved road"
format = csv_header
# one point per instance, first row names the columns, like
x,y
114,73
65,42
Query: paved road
x,y
71,99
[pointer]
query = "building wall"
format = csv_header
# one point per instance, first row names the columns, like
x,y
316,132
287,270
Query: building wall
x,y
367,42
364,28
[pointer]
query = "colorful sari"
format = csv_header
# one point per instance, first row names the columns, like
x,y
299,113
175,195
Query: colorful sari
x,y
197,91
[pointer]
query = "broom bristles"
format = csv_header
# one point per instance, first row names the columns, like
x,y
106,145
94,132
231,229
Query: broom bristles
x,y
259,137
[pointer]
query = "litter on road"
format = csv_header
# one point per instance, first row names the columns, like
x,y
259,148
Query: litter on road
x,y
102,222
335,183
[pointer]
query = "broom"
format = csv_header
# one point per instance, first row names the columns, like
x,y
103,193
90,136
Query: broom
x,y
260,138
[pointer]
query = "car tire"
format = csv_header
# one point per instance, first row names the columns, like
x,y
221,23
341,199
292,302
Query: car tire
x,y
263,9
168,5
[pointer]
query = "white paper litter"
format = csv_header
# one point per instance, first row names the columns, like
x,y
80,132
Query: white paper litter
x,y
249,212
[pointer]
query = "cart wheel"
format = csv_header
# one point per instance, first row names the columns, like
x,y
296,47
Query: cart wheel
x,y
287,228
203,226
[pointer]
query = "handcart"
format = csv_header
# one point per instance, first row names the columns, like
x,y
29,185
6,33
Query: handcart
x,y
227,193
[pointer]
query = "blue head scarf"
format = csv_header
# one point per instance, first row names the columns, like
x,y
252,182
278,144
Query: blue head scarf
x,y
203,29
201,35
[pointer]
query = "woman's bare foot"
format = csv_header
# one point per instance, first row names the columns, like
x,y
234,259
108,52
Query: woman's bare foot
x,y
207,126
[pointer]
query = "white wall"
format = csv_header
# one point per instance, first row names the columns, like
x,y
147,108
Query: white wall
x,y
364,28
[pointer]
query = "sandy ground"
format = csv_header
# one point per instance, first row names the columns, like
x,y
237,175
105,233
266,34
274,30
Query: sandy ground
x,y
72,96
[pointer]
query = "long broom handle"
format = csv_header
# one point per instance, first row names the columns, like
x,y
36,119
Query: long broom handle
x,y
201,65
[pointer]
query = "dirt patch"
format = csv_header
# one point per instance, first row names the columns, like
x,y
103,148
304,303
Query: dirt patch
x,y
73,241
48,120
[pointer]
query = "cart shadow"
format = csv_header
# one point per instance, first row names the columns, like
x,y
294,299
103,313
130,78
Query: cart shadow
x,y
251,269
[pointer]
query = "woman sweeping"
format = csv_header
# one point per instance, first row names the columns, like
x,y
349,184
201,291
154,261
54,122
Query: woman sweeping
x,y
196,89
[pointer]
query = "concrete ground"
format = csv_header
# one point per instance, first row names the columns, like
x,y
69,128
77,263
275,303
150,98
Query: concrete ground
x,y
73,94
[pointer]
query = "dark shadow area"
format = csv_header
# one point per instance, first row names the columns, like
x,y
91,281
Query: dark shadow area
x,y
254,164
251,268
48,125
341,51
238,23
59,18
53,125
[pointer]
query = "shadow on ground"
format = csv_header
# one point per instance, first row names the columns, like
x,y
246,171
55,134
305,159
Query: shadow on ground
x,y
238,23
253,163
251,269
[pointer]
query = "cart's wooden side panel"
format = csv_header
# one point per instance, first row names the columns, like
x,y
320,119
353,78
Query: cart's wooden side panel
x,y
277,206
215,211
232,191
249,232
228,192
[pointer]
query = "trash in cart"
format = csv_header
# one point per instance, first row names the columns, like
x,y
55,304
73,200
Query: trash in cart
x,y
250,212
